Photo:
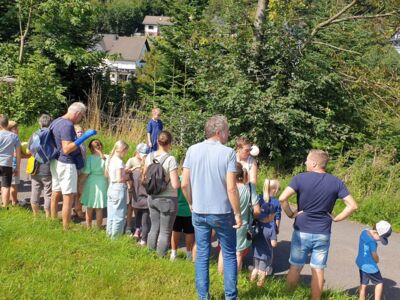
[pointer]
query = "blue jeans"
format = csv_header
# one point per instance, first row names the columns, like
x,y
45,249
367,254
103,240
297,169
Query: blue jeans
x,y
305,244
222,224
116,209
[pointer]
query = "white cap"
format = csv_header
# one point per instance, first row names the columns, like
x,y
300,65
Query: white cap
x,y
254,150
384,230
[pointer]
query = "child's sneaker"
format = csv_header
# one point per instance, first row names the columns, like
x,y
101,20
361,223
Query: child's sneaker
x,y
142,243
136,235
269,270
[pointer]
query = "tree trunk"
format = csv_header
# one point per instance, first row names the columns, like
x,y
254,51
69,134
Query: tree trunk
x,y
259,20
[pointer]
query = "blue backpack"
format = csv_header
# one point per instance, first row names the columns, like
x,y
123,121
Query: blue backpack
x,y
43,146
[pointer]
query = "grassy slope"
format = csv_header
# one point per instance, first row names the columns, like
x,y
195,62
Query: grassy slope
x,y
40,261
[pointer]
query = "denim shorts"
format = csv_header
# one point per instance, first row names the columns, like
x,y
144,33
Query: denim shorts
x,y
375,278
305,245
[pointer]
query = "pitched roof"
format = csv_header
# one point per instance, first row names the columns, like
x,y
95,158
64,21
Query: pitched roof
x,y
156,20
129,47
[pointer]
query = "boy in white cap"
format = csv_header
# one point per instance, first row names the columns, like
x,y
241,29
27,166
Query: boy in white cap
x,y
368,258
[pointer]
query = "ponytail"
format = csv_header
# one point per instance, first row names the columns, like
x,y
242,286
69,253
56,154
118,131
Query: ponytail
x,y
241,173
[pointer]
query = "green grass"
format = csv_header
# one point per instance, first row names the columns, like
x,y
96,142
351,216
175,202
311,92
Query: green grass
x,y
41,261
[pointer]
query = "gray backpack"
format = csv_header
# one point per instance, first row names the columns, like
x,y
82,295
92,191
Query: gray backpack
x,y
155,178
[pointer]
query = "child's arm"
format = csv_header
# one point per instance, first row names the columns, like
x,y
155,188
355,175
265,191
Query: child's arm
x,y
18,157
149,140
274,243
375,256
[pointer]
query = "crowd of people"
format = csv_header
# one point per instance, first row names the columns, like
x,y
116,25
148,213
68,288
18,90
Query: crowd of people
x,y
210,195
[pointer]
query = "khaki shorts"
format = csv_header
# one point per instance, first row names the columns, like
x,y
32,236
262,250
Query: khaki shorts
x,y
64,177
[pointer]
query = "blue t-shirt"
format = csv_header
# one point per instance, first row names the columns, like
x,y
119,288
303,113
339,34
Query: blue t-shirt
x,y
209,162
8,142
316,197
154,127
275,203
262,248
366,246
63,130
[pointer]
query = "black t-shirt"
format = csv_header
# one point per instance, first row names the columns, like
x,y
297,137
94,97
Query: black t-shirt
x,y
316,197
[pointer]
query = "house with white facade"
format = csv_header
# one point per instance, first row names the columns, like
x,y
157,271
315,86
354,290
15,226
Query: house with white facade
x,y
129,52
152,24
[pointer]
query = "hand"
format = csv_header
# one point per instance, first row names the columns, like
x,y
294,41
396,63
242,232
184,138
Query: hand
x,y
238,220
16,173
296,213
150,144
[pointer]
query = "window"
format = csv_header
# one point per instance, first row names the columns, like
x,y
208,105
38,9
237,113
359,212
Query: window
x,y
151,27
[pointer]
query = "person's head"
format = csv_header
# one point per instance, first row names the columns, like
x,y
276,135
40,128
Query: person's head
x,y
13,126
241,173
267,212
382,231
141,150
317,160
243,146
164,139
78,130
94,145
76,112
270,189
120,149
3,122
44,121
217,127
156,113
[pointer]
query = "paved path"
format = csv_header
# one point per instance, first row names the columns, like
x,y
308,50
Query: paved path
x,y
342,272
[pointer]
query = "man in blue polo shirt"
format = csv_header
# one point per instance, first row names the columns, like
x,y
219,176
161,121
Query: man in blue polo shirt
x,y
317,192
209,186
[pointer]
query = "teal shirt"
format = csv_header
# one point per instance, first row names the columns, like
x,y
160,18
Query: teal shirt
x,y
183,206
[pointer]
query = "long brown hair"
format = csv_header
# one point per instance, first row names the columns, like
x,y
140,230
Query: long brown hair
x,y
241,173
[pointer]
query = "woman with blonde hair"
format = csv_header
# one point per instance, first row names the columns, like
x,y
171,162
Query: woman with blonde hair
x,y
117,189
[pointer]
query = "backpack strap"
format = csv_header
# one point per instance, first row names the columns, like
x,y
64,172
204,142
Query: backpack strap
x,y
161,161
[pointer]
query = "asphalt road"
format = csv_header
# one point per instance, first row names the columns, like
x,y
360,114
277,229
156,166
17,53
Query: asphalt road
x,y
342,273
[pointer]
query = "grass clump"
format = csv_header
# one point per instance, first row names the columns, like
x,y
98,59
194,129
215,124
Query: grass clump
x,y
41,261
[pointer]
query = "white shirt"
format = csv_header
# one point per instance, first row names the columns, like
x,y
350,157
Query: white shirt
x,y
115,164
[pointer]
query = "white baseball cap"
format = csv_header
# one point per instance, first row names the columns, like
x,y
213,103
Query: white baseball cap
x,y
384,230
142,149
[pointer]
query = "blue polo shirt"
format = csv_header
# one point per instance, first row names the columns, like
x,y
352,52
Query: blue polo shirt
x,y
209,162
154,127
316,197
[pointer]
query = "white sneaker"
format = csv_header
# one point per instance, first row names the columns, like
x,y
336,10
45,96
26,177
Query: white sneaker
x,y
142,243
269,270
22,202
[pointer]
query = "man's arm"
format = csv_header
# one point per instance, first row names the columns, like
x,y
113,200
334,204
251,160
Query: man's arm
x,y
68,147
233,196
185,186
351,207
284,200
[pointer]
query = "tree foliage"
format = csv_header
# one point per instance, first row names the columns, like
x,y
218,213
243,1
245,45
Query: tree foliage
x,y
309,76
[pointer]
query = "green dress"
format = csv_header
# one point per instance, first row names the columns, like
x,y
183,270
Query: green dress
x,y
95,189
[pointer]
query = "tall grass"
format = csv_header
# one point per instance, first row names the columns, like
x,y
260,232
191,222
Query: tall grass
x,y
41,261
121,124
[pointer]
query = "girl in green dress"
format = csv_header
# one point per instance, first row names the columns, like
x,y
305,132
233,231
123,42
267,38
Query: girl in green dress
x,y
94,184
